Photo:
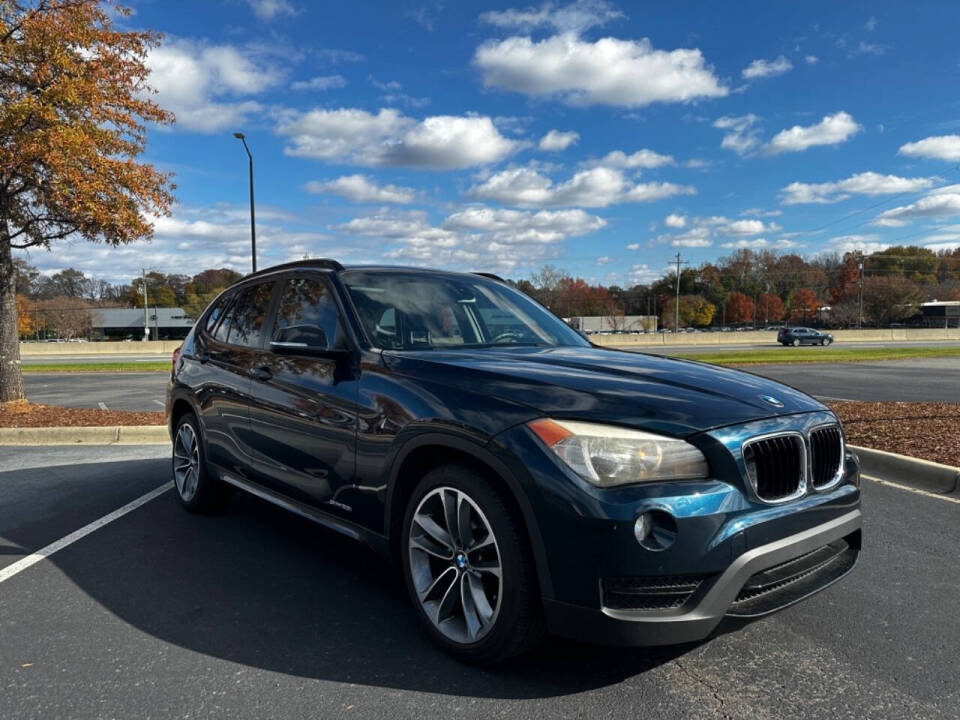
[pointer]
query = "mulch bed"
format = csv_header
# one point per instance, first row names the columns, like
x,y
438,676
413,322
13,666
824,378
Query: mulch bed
x,y
930,431
925,430
26,414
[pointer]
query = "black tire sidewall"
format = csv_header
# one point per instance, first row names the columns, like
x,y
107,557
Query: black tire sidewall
x,y
519,591
209,494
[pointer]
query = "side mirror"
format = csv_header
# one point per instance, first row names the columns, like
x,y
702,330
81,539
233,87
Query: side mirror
x,y
308,340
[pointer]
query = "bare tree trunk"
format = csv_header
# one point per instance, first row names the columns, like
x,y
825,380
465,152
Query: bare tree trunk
x,y
11,378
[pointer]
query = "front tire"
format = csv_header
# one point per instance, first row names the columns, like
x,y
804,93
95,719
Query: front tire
x,y
796,342
468,568
199,491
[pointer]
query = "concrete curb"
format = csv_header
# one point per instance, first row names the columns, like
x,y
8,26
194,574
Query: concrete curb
x,y
914,472
119,435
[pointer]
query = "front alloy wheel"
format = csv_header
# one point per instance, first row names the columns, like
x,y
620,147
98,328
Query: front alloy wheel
x,y
468,566
455,565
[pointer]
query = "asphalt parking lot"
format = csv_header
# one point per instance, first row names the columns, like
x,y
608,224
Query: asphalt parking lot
x,y
257,613
920,380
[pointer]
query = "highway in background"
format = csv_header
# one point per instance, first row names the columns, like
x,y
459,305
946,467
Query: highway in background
x,y
917,380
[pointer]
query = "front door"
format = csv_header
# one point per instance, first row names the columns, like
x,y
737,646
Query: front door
x,y
303,419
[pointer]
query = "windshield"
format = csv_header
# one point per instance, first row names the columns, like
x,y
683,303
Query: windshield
x,y
425,311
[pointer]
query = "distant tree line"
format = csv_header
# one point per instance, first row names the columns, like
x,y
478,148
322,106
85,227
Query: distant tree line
x,y
64,304
759,288
745,288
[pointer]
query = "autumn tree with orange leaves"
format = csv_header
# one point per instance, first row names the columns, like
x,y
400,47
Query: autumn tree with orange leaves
x,y
74,105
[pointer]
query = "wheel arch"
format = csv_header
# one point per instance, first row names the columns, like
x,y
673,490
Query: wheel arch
x,y
426,451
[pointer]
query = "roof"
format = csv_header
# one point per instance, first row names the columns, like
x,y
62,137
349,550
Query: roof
x,y
330,264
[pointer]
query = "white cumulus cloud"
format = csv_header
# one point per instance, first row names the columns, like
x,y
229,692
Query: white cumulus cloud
x,y
389,138
644,158
742,134
320,82
208,87
596,187
865,183
766,68
940,203
941,147
832,129
270,9
675,221
556,140
624,73
360,188
575,17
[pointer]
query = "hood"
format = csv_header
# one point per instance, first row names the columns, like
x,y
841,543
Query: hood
x,y
651,392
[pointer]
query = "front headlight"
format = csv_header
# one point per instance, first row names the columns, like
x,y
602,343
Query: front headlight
x,y
606,455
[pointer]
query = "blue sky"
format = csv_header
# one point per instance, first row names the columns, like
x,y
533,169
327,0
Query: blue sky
x,y
602,138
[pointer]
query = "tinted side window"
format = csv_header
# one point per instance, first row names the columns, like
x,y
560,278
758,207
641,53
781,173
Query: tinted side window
x,y
226,311
248,314
215,312
307,314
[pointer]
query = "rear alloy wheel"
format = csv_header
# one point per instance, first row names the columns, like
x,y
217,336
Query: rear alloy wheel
x,y
796,342
468,569
198,490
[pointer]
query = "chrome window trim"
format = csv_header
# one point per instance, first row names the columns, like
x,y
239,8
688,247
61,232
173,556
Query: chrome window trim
x,y
841,469
802,486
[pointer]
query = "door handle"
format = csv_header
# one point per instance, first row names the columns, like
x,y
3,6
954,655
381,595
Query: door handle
x,y
263,374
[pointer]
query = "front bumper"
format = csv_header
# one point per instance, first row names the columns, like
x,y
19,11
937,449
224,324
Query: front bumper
x,y
718,598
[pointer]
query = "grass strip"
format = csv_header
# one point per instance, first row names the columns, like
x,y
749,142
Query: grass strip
x,y
112,367
819,355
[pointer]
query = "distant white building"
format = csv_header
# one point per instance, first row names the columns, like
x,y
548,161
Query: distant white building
x,y
127,323
613,323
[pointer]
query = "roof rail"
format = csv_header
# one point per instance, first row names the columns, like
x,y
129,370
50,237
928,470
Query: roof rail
x,y
489,275
325,263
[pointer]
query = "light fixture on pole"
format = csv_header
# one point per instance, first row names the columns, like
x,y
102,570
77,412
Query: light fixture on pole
x,y
253,226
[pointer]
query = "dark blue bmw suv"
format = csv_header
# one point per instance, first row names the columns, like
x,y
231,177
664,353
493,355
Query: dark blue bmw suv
x,y
525,480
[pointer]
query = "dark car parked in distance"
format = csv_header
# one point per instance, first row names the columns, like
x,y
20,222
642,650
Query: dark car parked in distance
x,y
797,336
525,480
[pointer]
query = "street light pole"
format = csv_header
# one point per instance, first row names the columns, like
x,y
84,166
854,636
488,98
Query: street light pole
x,y
146,315
253,225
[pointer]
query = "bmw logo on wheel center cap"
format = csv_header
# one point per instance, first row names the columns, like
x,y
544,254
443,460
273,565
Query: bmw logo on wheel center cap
x,y
460,561
772,400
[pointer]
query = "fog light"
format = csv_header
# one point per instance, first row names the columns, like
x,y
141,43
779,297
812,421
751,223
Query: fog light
x,y
655,530
642,527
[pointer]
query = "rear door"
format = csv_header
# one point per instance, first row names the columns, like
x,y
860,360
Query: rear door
x,y
303,419
228,354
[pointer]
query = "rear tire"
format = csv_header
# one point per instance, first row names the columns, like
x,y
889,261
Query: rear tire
x,y
199,491
468,568
796,342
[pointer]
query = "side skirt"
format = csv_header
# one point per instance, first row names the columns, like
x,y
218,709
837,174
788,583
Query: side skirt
x,y
377,542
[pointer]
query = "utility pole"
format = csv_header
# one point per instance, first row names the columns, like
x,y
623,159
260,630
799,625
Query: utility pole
x,y
860,295
146,314
676,307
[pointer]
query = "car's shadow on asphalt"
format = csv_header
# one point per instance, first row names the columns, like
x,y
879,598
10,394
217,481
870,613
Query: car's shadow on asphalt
x,y
260,587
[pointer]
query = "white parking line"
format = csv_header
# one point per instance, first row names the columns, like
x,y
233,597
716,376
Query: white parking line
x,y
21,565
160,403
935,496
103,406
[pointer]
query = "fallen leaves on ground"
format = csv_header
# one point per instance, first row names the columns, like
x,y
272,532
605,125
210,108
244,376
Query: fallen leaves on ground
x,y
27,414
930,431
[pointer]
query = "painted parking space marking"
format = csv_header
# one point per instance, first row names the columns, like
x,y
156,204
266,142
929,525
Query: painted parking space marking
x,y
103,406
45,552
918,491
